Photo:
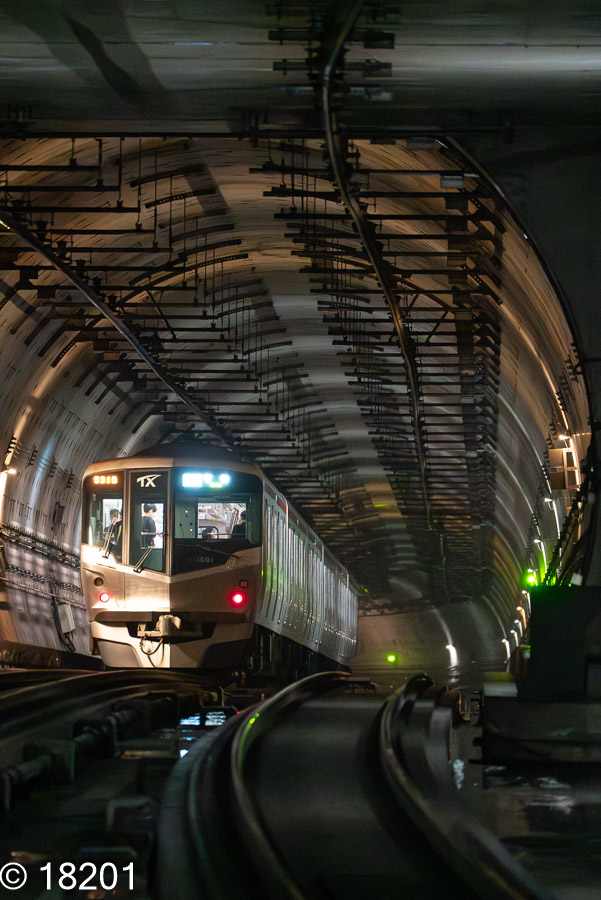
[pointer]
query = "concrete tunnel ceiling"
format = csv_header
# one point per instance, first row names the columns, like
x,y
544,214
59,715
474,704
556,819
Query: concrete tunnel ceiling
x,y
356,310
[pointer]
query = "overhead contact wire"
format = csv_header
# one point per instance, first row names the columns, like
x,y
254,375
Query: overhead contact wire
x,y
12,224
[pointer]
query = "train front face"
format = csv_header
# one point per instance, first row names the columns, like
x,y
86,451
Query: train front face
x,y
171,561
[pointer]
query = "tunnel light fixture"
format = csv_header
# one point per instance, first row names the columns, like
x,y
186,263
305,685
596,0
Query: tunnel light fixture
x,y
541,544
507,646
452,655
9,470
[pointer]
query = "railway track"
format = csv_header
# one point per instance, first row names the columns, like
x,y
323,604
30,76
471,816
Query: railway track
x,y
84,759
114,783
307,797
414,756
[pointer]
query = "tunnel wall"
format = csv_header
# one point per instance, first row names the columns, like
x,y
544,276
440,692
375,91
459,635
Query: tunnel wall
x,y
56,416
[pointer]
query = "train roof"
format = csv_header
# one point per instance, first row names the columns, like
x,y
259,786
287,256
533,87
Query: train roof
x,y
187,452
190,449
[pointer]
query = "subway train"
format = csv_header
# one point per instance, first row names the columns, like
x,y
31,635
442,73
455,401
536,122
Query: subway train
x,y
193,559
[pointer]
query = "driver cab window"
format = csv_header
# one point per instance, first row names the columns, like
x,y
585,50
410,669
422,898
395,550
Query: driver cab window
x,y
148,491
217,521
103,514
216,516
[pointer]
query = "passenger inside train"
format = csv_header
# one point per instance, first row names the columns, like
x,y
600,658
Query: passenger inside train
x,y
240,526
113,535
148,529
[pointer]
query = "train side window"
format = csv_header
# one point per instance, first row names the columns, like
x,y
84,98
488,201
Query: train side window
x,y
148,502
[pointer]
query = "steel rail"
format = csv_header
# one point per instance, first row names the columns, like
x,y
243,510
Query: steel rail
x,y
211,836
333,53
17,680
197,846
414,757
280,881
34,705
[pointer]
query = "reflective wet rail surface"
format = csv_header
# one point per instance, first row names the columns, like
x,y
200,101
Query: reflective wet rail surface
x,y
330,813
294,801
327,789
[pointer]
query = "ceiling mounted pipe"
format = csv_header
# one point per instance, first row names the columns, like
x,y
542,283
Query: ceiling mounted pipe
x,y
333,51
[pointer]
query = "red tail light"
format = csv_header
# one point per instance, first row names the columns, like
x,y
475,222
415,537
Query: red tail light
x,y
104,597
238,598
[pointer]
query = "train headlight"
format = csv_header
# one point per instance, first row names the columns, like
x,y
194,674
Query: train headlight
x,y
206,479
237,598
104,597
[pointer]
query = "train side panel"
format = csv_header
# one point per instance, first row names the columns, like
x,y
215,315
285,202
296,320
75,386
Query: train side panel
x,y
307,595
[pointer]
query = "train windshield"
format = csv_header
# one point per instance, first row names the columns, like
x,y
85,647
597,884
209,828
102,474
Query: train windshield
x,y
148,505
217,513
103,512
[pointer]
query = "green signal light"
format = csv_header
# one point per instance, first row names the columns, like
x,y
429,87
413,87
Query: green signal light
x,y
391,658
530,578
